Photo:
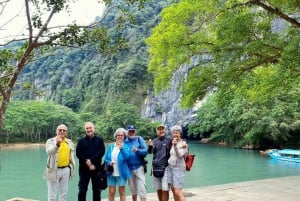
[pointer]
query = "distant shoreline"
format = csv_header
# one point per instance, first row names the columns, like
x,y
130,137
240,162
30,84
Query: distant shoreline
x,y
17,146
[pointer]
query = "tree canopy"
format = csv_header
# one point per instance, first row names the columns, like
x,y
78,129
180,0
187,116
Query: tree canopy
x,y
40,38
244,52
224,41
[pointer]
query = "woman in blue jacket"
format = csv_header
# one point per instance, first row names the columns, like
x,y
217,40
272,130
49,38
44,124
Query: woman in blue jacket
x,y
116,161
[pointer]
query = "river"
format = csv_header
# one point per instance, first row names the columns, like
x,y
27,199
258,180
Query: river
x,y
21,170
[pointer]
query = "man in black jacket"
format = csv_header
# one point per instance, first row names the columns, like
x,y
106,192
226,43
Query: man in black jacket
x,y
160,147
90,150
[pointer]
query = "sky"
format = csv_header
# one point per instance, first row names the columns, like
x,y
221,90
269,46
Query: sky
x,y
13,21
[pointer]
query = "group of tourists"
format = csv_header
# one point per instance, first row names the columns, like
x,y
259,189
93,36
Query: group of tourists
x,y
123,161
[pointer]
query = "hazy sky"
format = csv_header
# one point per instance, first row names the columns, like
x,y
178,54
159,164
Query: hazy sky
x,y
13,20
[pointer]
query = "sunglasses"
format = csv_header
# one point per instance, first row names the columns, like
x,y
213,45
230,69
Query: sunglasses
x,y
62,130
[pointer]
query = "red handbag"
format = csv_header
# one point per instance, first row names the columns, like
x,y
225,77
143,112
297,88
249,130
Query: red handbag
x,y
189,160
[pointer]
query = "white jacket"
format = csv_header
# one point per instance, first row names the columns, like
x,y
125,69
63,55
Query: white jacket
x,y
177,154
50,172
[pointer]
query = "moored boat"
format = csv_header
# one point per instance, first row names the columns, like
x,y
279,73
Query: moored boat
x,y
285,154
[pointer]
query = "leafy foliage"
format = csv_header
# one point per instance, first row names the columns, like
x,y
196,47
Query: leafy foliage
x,y
229,39
99,78
41,41
36,121
246,53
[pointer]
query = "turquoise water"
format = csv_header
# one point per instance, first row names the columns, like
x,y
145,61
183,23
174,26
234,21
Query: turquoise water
x,y
21,170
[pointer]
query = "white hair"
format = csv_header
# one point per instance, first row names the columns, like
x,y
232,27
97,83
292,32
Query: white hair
x,y
120,130
176,128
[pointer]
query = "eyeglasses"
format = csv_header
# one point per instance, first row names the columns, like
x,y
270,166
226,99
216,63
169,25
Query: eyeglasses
x,y
62,130
120,135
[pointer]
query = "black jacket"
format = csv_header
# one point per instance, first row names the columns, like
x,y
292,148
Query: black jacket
x,y
161,151
92,149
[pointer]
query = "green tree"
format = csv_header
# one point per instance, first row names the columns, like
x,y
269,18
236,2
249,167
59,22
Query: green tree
x,y
41,39
253,117
35,121
120,115
223,41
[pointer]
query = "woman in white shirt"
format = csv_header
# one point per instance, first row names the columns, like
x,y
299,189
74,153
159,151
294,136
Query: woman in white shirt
x,y
116,157
176,163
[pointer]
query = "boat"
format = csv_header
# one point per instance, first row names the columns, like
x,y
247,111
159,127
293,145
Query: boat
x,y
291,155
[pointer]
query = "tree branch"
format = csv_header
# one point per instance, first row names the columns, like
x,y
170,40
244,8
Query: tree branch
x,y
2,92
28,21
4,76
276,11
44,28
3,5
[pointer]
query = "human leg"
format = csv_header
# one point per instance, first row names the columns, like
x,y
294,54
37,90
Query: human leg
x,y
165,196
52,189
159,194
165,186
111,193
64,176
162,195
176,180
132,186
84,179
141,183
177,193
95,186
122,193
111,182
121,182
162,187
134,197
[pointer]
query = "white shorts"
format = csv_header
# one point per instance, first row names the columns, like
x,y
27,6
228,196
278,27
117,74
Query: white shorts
x,y
161,183
176,177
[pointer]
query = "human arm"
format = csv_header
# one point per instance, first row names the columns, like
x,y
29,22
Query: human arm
x,y
125,151
181,148
150,146
51,147
107,156
80,154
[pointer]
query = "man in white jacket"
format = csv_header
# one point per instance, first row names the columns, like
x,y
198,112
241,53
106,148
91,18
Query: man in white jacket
x,y
60,164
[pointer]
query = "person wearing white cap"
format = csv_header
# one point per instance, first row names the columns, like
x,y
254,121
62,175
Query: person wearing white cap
x,y
160,148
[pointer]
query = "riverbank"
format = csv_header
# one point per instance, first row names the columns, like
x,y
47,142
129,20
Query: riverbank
x,y
17,146
275,189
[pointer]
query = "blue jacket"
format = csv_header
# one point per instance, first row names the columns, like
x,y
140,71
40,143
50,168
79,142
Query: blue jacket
x,y
136,158
122,160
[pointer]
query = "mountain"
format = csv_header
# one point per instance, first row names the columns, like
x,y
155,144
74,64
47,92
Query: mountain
x,y
87,81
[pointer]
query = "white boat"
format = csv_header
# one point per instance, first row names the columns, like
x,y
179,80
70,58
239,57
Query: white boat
x,y
285,154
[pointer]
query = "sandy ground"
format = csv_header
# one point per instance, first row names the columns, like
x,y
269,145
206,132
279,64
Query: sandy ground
x,y
20,146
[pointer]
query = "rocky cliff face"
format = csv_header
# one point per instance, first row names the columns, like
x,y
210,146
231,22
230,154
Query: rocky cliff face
x,y
165,107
